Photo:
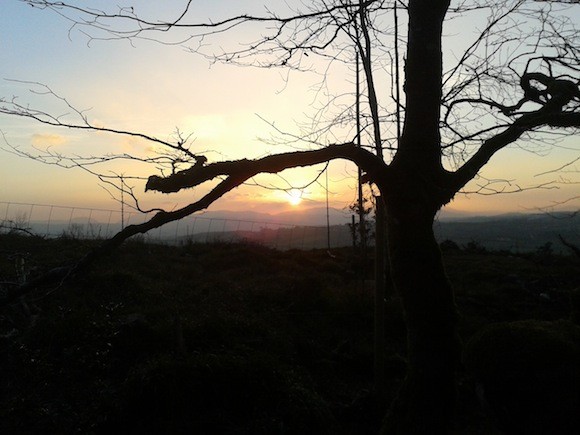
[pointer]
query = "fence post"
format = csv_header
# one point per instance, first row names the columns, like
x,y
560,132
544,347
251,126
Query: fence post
x,y
379,345
48,223
208,228
7,208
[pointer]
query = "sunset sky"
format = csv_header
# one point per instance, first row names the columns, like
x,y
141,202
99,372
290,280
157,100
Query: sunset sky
x,y
154,89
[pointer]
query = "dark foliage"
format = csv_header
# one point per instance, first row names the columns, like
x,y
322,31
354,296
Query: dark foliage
x,y
230,338
528,375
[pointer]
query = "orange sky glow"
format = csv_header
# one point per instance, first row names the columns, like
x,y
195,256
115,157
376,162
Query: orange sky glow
x,y
231,112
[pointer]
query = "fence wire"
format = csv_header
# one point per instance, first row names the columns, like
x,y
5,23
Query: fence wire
x,y
92,223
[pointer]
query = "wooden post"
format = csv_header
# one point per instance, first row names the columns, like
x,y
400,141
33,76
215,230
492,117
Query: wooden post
x,y
379,344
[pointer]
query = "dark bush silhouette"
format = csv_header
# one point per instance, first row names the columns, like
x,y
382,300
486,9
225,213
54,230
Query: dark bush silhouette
x,y
528,375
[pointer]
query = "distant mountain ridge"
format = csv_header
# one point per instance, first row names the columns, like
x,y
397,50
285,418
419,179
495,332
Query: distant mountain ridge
x,y
516,232
312,216
513,231
316,216
510,231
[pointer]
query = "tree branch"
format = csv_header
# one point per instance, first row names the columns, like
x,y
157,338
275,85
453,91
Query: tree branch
x,y
236,172
14,108
246,169
307,30
543,117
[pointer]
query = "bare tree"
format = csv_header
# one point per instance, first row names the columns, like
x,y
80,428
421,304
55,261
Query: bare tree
x,y
514,82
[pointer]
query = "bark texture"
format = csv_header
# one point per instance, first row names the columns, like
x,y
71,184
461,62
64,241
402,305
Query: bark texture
x,y
425,402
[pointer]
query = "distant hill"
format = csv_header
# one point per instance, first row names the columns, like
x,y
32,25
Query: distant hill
x,y
315,216
514,232
511,232
307,228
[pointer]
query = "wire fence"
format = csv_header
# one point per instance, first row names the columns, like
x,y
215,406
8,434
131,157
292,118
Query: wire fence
x,y
91,223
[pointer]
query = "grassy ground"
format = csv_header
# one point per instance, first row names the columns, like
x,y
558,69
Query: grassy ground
x,y
233,339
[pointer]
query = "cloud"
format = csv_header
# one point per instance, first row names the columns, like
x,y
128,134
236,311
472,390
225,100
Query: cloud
x,y
132,144
47,140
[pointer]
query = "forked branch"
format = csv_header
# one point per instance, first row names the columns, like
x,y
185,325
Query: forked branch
x,y
245,169
553,95
235,172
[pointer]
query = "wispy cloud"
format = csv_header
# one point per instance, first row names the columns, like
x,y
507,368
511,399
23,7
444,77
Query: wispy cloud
x,y
47,140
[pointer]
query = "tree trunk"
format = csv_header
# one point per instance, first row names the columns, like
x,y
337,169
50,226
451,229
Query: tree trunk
x,y
413,194
426,399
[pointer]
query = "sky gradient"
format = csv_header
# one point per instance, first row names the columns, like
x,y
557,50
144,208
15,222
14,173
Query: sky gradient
x,y
154,89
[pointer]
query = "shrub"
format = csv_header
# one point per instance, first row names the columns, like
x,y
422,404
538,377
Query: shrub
x,y
449,246
528,371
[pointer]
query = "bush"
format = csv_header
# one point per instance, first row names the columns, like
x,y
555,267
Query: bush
x,y
218,393
528,372
449,246
474,247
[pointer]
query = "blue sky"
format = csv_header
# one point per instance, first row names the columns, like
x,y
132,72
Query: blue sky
x,y
155,88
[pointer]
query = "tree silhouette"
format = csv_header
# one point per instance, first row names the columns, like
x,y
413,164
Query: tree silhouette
x,y
517,79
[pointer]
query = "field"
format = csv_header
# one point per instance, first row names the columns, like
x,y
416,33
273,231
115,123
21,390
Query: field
x,y
233,338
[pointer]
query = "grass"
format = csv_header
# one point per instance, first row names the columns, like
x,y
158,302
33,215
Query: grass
x,y
229,338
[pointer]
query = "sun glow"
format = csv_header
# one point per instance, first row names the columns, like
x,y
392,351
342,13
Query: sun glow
x,y
294,197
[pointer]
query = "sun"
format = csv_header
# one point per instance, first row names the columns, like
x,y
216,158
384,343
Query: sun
x,y
294,196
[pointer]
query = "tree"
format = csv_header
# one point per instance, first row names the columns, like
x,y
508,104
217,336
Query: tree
x,y
503,89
